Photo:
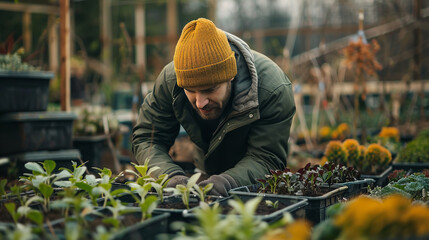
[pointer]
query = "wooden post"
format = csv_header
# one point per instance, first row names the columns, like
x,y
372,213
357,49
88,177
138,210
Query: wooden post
x,y
140,28
53,44
65,54
106,33
26,31
171,26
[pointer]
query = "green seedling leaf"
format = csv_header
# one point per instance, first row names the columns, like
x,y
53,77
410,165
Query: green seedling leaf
x,y
193,180
35,167
78,172
11,209
64,184
46,190
118,192
49,166
86,187
91,180
3,183
37,180
112,221
36,217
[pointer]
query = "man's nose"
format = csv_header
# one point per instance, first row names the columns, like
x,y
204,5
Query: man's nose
x,y
201,100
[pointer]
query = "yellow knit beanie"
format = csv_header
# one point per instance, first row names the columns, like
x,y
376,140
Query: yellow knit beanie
x,y
203,56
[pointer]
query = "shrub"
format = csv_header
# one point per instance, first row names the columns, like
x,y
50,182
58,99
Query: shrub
x,y
416,150
351,146
336,153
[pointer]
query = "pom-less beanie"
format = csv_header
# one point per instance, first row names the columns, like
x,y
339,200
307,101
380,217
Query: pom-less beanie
x,y
203,56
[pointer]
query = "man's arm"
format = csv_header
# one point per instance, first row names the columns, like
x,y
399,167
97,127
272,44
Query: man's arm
x,y
157,128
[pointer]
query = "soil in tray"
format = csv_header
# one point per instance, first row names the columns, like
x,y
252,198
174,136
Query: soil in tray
x,y
48,216
176,205
262,209
322,191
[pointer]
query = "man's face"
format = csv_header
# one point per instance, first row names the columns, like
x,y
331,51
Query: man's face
x,y
209,101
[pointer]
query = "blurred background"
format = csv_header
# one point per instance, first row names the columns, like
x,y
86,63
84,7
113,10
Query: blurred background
x,y
359,63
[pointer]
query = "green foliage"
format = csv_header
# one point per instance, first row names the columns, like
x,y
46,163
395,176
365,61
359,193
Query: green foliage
x,y
415,186
12,62
415,151
240,223
185,191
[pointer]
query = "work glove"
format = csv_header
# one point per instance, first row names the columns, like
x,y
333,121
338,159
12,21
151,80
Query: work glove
x,y
177,179
221,184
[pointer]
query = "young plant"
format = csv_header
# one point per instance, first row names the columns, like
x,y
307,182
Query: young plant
x,y
185,191
272,180
201,192
272,204
159,185
146,203
143,173
240,223
42,178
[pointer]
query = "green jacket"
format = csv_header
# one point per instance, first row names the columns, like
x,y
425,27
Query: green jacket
x,y
249,141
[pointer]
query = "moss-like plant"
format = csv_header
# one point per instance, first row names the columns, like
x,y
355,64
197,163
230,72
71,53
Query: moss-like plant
x,y
336,153
376,158
351,146
415,151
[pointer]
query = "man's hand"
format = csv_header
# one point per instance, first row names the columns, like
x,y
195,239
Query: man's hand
x,y
178,179
221,184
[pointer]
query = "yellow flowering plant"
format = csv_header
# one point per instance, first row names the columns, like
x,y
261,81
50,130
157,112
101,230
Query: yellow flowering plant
x,y
394,217
371,160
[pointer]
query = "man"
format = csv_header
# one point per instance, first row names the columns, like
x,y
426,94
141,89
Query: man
x,y
235,104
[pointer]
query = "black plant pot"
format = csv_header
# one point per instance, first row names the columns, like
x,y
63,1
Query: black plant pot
x,y
296,207
380,179
24,91
315,211
35,131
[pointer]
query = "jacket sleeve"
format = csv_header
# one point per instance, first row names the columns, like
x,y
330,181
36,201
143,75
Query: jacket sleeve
x,y
157,128
268,136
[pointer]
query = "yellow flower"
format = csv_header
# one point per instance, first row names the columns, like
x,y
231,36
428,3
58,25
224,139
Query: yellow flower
x,y
335,152
390,133
395,216
325,132
351,146
298,230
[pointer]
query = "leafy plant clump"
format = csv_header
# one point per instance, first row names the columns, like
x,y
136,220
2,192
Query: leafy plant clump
x,y
416,151
414,186
308,180
12,62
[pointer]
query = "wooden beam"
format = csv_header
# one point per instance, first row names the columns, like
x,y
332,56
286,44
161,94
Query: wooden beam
x,y
106,41
172,26
33,8
53,43
65,54
26,31
347,88
140,29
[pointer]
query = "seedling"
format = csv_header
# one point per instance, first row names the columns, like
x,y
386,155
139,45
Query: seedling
x,y
271,204
185,191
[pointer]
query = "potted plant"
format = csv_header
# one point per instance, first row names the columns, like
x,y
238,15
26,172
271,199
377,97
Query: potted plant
x,y
24,87
91,130
372,161
310,182
414,156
